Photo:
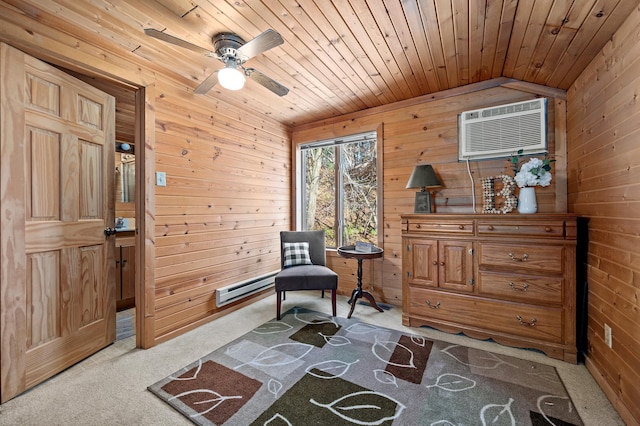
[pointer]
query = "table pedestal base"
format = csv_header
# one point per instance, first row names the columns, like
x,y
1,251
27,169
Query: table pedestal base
x,y
359,293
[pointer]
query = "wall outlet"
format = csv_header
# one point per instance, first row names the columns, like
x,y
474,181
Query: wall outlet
x,y
608,335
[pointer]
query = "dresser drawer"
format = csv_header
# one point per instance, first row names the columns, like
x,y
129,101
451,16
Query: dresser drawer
x,y
523,288
522,257
441,226
528,321
522,228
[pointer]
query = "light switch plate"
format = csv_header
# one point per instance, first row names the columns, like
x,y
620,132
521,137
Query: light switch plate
x,y
608,335
161,179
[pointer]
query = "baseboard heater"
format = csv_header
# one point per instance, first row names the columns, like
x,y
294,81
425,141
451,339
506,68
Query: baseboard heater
x,y
233,292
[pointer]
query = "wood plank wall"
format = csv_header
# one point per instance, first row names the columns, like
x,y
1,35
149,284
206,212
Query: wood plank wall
x,y
226,200
424,131
604,185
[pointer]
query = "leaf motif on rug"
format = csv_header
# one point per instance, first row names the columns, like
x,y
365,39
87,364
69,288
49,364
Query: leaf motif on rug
x,y
334,340
453,383
384,349
359,406
274,386
278,355
192,376
385,377
489,361
362,328
497,414
319,334
236,349
552,411
310,369
330,369
409,359
419,341
272,327
205,398
277,420
316,318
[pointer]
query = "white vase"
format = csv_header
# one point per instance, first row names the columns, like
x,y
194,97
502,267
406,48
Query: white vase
x,y
527,200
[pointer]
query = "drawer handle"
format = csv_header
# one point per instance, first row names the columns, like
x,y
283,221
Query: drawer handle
x,y
418,226
530,324
460,226
525,286
519,259
490,228
436,306
548,229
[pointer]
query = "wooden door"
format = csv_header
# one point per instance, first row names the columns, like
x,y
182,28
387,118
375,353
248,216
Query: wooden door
x,y
455,262
57,178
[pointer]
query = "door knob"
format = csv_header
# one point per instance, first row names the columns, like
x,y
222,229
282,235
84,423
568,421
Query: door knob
x,y
109,231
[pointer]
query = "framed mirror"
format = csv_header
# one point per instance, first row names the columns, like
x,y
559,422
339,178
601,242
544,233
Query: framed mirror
x,y
125,173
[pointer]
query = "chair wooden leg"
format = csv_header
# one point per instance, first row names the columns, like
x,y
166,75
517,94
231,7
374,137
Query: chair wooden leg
x,y
322,293
278,304
333,301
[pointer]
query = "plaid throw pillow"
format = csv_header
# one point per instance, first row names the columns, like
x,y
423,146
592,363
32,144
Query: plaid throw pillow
x,y
296,254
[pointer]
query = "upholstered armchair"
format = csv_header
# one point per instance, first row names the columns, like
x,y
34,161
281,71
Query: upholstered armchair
x,y
303,263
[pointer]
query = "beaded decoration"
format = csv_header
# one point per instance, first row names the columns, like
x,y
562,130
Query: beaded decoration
x,y
507,192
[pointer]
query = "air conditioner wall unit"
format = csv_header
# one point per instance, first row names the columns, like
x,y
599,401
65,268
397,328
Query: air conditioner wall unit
x,y
503,130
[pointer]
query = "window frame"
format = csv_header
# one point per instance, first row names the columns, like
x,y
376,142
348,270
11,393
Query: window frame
x,y
298,188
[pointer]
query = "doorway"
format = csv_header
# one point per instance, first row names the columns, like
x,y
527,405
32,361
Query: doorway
x,y
127,174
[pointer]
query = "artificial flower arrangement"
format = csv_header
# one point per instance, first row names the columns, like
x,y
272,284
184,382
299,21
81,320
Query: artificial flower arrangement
x,y
532,173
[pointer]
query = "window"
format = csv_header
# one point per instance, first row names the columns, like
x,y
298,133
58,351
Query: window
x,y
340,183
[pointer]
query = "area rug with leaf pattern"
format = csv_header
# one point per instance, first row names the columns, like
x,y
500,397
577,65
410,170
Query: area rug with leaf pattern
x,y
312,369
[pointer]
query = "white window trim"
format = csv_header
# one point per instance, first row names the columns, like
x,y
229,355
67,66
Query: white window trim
x,y
297,176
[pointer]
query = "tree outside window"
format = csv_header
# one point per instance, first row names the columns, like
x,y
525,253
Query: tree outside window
x,y
340,180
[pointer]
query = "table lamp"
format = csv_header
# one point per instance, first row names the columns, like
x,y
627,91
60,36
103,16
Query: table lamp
x,y
424,177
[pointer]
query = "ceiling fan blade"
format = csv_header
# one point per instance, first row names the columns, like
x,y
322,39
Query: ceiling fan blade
x,y
207,84
177,41
267,82
265,41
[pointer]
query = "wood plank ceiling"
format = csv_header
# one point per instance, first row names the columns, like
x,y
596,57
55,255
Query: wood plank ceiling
x,y
343,56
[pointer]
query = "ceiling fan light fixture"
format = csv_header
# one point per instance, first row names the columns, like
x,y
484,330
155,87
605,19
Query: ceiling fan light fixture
x,y
231,78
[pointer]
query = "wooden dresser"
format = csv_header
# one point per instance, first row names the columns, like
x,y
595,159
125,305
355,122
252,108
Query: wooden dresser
x,y
509,277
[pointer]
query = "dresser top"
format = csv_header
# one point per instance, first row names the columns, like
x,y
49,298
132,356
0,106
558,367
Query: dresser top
x,y
505,217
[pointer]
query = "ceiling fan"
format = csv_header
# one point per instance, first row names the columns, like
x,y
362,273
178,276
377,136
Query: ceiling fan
x,y
233,52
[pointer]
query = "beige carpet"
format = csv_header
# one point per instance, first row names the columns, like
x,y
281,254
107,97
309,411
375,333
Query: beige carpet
x,y
110,388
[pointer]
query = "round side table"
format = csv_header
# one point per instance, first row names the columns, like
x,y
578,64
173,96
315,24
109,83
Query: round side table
x,y
350,252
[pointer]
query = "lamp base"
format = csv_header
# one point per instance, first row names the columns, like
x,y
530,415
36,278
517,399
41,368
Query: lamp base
x,y
423,202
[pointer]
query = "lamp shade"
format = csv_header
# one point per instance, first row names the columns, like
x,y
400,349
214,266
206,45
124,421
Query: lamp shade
x,y
231,78
423,176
